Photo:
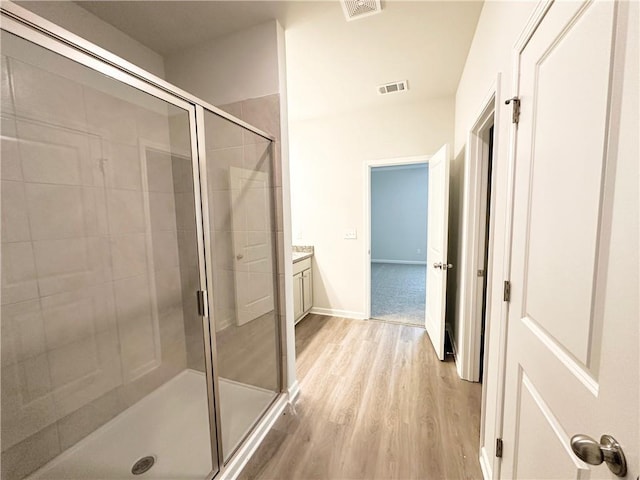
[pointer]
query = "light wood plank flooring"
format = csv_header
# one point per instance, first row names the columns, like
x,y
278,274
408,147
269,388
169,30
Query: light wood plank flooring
x,y
375,404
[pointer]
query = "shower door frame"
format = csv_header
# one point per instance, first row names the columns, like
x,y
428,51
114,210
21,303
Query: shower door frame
x,y
39,31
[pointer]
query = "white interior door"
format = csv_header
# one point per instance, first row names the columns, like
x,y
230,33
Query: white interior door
x,y
437,234
572,345
251,223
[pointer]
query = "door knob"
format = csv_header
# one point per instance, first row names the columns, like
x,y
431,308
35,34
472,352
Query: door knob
x,y
594,453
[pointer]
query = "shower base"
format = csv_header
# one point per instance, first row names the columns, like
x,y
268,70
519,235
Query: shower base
x,y
170,424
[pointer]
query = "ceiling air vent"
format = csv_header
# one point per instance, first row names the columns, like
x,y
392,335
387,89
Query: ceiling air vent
x,y
394,87
354,9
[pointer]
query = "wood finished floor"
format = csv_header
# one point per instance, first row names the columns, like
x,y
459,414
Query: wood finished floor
x,y
375,403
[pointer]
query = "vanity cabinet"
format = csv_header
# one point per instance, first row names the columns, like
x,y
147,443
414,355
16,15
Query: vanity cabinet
x,y
302,288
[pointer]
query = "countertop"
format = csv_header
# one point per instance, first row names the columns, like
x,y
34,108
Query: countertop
x,y
299,256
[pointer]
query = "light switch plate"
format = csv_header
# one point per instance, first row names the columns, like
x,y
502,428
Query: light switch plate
x,y
350,234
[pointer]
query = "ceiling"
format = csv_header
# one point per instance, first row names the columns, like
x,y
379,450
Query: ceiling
x,y
332,64
171,26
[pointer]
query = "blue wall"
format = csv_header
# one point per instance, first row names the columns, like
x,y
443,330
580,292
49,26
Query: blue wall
x,y
399,212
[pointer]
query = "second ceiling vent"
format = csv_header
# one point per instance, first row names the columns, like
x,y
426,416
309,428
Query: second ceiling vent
x,y
354,9
394,87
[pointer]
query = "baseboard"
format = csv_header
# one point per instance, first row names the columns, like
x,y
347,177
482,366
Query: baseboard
x,y
338,313
294,391
485,464
251,444
400,262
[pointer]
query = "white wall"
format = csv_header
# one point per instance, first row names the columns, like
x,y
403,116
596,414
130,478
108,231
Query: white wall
x,y
399,197
229,69
77,20
328,156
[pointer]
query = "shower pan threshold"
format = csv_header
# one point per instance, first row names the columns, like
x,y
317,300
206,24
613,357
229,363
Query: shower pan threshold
x,y
179,442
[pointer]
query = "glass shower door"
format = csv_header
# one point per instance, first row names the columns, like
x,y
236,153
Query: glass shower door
x,y
104,355
245,299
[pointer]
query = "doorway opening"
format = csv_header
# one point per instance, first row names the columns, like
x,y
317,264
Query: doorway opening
x,y
395,262
398,204
484,240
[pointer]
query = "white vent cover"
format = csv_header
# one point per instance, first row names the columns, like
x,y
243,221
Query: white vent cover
x,y
394,87
354,9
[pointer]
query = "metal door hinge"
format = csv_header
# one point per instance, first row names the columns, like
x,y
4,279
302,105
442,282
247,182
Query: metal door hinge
x,y
202,302
515,113
507,291
481,273
499,447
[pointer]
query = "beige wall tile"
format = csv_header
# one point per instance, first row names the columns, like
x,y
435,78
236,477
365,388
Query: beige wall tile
x,y
154,127
85,420
162,208
27,456
257,156
23,413
56,155
220,210
73,361
45,96
165,249
159,171
108,375
218,163
185,211
122,166
126,212
220,132
113,118
6,96
263,113
128,255
182,174
71,264
18,273
15,219
55,211
10,168
135,323
179,133
188,248
22,332
277,193
169,289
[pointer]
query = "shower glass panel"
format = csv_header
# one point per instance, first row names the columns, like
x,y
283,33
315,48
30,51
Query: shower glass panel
x,y
245,299
103,352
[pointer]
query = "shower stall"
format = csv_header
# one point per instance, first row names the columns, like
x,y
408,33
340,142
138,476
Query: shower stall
x,y
140,319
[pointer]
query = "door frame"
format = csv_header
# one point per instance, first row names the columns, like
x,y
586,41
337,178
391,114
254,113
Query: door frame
x,y
368,165
468,351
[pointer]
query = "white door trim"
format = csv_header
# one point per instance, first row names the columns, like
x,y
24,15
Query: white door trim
x,y
468,359
368,165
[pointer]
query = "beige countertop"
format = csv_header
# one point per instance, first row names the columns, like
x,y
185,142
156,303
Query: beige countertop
x,y
299,256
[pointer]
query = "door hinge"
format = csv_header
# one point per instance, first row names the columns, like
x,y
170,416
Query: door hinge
x,y
481,273
507,291
499,447
201,295
515,112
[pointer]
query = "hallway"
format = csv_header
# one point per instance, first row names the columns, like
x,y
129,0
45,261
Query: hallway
x,y
375,403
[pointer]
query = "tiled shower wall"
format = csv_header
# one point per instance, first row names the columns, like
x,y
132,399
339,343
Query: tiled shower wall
x,y
96,245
